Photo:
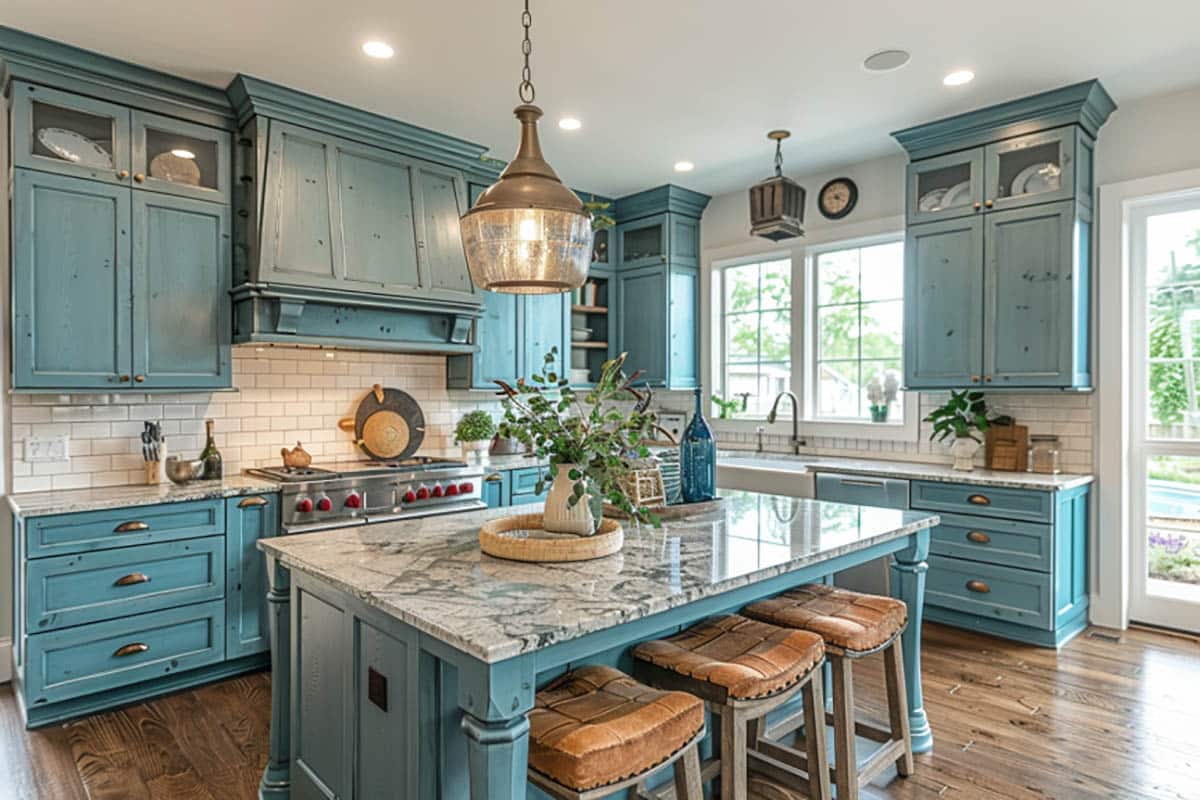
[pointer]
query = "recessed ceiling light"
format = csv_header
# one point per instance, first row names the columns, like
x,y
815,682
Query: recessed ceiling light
x,y
959,77
181,153
377,49
886,60
684,166
570,124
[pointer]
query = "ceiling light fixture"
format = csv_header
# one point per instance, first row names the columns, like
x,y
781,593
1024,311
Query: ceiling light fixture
x,y
378,49
684,166
527,233
886,60
570,124
958,77
777,204
181,153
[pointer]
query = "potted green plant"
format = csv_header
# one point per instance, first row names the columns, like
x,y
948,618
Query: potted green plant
x,y
726,408
960,417
882,390
474,432
591,438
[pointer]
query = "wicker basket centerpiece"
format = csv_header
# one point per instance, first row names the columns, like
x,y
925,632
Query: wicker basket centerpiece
x,y
522,538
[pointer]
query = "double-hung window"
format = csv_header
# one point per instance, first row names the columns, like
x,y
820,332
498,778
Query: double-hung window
x,y
756,327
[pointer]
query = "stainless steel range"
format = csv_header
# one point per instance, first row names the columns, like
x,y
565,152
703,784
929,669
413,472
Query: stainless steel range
x,y
349,493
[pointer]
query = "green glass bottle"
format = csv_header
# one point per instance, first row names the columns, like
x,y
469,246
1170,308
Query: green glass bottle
x,y
210,455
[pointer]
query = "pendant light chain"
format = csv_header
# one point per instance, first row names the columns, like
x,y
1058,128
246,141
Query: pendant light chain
x,y
778,158
525,91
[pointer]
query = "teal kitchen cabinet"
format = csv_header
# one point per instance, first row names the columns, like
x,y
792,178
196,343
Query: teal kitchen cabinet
x,y
547,326
247,520
514,335
998,246
69,134
180,158
496,490
643,242
119,605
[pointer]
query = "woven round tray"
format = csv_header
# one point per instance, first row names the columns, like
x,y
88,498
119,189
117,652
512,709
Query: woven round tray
x,y
522,538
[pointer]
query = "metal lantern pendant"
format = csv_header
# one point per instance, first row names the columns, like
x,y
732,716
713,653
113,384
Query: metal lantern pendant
x,y
528,233
777,204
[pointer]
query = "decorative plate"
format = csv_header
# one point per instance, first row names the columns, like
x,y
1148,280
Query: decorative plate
x,y
957,195
1037,178
74,147
932,200
169,167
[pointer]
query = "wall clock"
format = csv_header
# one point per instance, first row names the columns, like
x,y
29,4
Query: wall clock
x,y
837,198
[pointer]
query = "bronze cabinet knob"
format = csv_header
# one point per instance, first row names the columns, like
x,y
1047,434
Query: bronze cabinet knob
x,y
977,205
123,174
988,203
974,379
139,378
139,177
124,379
979,537
987,378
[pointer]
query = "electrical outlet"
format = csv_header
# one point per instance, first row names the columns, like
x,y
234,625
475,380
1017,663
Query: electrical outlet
x,y
47,448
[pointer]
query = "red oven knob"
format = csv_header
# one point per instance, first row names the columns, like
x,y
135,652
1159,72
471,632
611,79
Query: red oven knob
x,y
354,500
466,488
423,493
304,505
324,504
410,496
438,491
451,490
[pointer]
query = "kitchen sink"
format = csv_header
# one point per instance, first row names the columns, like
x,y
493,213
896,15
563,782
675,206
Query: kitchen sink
x,y
775,473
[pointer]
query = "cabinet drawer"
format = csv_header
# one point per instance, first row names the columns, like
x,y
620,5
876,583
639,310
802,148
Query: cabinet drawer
x,y
994,541
862,491
120,527
523,482
89,587
92,658
989,591
959,498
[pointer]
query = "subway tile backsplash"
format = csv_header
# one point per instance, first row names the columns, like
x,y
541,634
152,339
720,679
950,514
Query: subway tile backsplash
x,y
284,395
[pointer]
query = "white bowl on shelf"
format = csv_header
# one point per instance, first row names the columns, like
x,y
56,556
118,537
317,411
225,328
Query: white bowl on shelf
x,y
580,334
581,376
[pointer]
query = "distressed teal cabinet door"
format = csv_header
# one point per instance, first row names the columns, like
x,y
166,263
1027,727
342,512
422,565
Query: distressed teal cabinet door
x,y
945,187
442,197
177,157
47,125
297,229
943,304
642,330
685,240
683,370
643,242
71,278
181,309
1032,288
546,323
247,519
497,334
1026,170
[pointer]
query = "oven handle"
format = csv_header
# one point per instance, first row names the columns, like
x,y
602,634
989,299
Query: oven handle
x,y
430,511
290,530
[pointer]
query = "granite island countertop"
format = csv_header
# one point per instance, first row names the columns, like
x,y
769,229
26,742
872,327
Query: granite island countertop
x,y
910,470
68,501
430,574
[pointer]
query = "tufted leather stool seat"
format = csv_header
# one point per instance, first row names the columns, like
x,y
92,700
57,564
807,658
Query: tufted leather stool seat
x,y
847,620
598,726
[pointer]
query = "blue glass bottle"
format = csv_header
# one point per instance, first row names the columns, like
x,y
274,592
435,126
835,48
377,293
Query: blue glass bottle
x,y
698,458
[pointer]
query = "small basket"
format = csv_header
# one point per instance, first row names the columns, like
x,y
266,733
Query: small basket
x,y
522,538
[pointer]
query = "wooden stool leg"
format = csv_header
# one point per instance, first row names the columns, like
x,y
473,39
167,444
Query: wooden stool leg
x,y
846,766
733,756
687,776
814,739
898,705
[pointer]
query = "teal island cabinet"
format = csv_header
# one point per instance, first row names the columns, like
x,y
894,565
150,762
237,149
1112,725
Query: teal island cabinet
x,y
121,223
998,249
514,487
119,604
421,690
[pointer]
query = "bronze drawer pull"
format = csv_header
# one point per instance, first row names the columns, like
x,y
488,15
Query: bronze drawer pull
x,y
130,649
979,537
979,587
131,527
495,477
250,502
132,579
979,500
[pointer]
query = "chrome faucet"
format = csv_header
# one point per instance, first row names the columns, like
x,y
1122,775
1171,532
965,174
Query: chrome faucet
x,y
797,442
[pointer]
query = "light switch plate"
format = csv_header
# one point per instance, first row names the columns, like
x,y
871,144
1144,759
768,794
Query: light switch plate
x,y
48,448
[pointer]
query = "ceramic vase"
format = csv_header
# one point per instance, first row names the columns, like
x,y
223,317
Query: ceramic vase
x,y
473,450
964,451
559,515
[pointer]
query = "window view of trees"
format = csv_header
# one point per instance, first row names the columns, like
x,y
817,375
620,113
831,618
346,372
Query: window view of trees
x,y
1174,324
758,332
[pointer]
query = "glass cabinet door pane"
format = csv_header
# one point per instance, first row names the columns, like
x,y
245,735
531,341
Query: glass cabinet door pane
x,y
600,247
1029,170
181,159
944,188
73,136
642,244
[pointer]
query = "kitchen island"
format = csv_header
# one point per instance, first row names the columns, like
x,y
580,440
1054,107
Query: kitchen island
x,y
405,661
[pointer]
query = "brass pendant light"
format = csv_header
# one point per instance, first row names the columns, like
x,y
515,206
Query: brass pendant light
x,y
528,233
777,204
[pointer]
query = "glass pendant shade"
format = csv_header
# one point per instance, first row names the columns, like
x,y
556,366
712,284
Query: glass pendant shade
x,y
528,233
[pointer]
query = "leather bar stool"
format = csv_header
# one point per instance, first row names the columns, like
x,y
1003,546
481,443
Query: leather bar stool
x,y
853,625
596,731
743,669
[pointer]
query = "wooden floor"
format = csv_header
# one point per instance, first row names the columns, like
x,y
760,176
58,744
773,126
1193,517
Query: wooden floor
x,y
1102,719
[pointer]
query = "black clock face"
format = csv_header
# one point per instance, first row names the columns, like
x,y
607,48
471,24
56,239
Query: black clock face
x,y
837,198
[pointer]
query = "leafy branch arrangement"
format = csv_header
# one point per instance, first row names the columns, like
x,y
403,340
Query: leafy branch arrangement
x,y
963,413
592,431
726,408
598,209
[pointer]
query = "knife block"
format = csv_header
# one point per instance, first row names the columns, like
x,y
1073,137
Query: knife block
x,y
156,471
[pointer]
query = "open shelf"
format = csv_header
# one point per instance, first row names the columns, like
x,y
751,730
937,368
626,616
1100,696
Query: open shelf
x,y
589,309
590,345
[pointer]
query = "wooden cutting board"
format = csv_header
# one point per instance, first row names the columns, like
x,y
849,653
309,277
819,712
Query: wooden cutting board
x,y
1007,447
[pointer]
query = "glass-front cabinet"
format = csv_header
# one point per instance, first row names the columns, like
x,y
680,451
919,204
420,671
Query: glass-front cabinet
x,y
1038,168
945,187
644,242
178,157
69,134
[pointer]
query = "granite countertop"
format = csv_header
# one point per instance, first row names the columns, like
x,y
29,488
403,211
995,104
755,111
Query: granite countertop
x,y
517,461
35,504
912,470
429,573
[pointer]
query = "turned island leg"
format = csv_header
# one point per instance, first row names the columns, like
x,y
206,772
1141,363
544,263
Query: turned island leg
x,y
910,567
276,780
494,699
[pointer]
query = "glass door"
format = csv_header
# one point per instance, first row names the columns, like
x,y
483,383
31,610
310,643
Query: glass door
x,y
945,187
69,134
177,157
1165,428
1038,168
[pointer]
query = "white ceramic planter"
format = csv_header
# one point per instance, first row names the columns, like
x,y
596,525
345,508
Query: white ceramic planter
x,y
964,451
473,450
561,517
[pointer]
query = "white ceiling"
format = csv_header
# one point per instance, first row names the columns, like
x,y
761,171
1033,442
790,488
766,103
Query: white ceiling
x,y
654,81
